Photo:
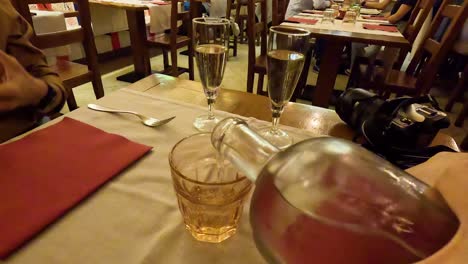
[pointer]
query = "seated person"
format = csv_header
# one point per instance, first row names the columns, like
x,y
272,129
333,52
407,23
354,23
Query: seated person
x,y
29,89
296,6
399,15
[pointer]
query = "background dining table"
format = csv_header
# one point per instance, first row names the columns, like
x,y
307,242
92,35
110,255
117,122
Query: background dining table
x,y
135,218
337,35
135,13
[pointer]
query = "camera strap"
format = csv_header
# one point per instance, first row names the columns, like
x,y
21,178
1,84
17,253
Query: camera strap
x,y
407,158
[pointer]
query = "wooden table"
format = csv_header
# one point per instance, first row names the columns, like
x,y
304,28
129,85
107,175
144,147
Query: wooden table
x,y
319,120
135,218
137,28
335,42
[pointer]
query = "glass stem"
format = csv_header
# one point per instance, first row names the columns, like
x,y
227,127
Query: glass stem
x,y
211,101
276,115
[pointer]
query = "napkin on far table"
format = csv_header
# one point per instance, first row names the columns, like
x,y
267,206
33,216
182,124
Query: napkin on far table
x,y
46,173
380,27
302,20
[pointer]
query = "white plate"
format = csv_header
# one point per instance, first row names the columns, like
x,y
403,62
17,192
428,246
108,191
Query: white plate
x,y
370,11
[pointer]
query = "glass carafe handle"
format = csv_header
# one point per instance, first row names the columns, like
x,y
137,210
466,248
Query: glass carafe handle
x,y
243,147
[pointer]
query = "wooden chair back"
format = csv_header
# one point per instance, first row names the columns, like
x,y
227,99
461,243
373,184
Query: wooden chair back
x,y
255,29
278,11
182,16
437,43
231,4
418,17
83,34
71,76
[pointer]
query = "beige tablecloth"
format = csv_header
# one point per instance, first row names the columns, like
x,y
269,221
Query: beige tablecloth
x,y
134,218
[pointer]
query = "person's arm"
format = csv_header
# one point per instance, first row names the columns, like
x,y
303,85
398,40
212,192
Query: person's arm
x,y
26,86
400,13
448,172
321,4
377,5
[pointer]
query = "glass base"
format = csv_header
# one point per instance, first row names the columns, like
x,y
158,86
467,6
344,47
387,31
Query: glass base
x,y
211,235
277,137
204,123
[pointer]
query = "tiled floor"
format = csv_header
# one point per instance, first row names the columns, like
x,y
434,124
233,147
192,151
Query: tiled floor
x,y
235,78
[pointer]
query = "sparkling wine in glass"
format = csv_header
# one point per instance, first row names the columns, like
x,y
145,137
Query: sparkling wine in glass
x,y
210,42
287,47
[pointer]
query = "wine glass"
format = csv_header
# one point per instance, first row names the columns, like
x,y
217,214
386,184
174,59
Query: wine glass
x,y
210,43
287,47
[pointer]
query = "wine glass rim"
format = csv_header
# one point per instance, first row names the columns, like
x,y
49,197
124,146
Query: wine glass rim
x,y
289,31
211,21
181,175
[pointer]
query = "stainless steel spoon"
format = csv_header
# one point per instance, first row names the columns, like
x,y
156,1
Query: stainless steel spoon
x,y
149,121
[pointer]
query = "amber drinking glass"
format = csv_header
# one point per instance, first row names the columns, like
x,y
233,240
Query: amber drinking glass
x,y
210,194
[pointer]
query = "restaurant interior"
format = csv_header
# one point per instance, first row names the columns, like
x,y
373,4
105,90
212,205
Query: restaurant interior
x,y
241,131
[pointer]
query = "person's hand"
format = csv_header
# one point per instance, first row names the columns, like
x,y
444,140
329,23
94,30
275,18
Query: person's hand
x,y
17,87
448,172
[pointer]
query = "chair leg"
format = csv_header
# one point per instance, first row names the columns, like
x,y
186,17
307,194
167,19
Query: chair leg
x,y
97,86
174,69
354,76
301,84
190,62
250,79
260,84
234,53
71,101
165,59
458,91
461,117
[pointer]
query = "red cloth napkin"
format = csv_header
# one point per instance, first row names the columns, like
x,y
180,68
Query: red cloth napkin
x,y
317,12
379,27
375,18
309,21
160,2
46,173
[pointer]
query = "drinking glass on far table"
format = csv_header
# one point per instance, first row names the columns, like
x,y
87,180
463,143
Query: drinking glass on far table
x,y
350,17
210,42
328,16
211,193
287,47
336,7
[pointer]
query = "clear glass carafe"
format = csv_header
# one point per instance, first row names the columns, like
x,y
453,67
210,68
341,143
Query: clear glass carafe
x,y
328,200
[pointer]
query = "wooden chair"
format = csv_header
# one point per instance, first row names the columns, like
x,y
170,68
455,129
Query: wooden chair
x,y
232,42
423,68
281,6
72,74
256,64
172,41
460,50
241,19
360,68
418,77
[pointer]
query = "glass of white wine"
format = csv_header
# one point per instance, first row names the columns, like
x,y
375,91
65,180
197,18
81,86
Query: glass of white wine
x,y
287,47
210,43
